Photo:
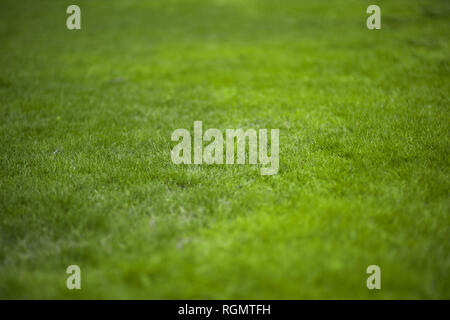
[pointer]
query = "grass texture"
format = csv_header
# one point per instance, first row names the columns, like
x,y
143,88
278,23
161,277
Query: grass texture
x,y
86,176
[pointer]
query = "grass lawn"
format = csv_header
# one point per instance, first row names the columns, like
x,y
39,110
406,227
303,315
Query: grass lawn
x,y
86,176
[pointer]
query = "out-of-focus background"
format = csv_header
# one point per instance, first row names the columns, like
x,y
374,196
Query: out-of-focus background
x,y
85,170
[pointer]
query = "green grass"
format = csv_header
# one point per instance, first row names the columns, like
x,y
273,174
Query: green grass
x,y
364,149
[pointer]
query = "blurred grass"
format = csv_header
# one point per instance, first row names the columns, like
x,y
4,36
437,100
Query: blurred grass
x,y
364,169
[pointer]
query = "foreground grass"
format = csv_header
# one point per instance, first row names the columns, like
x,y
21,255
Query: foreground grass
x,y
85,170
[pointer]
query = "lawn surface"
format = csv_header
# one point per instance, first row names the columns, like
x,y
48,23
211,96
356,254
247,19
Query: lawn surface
x,y
86,176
